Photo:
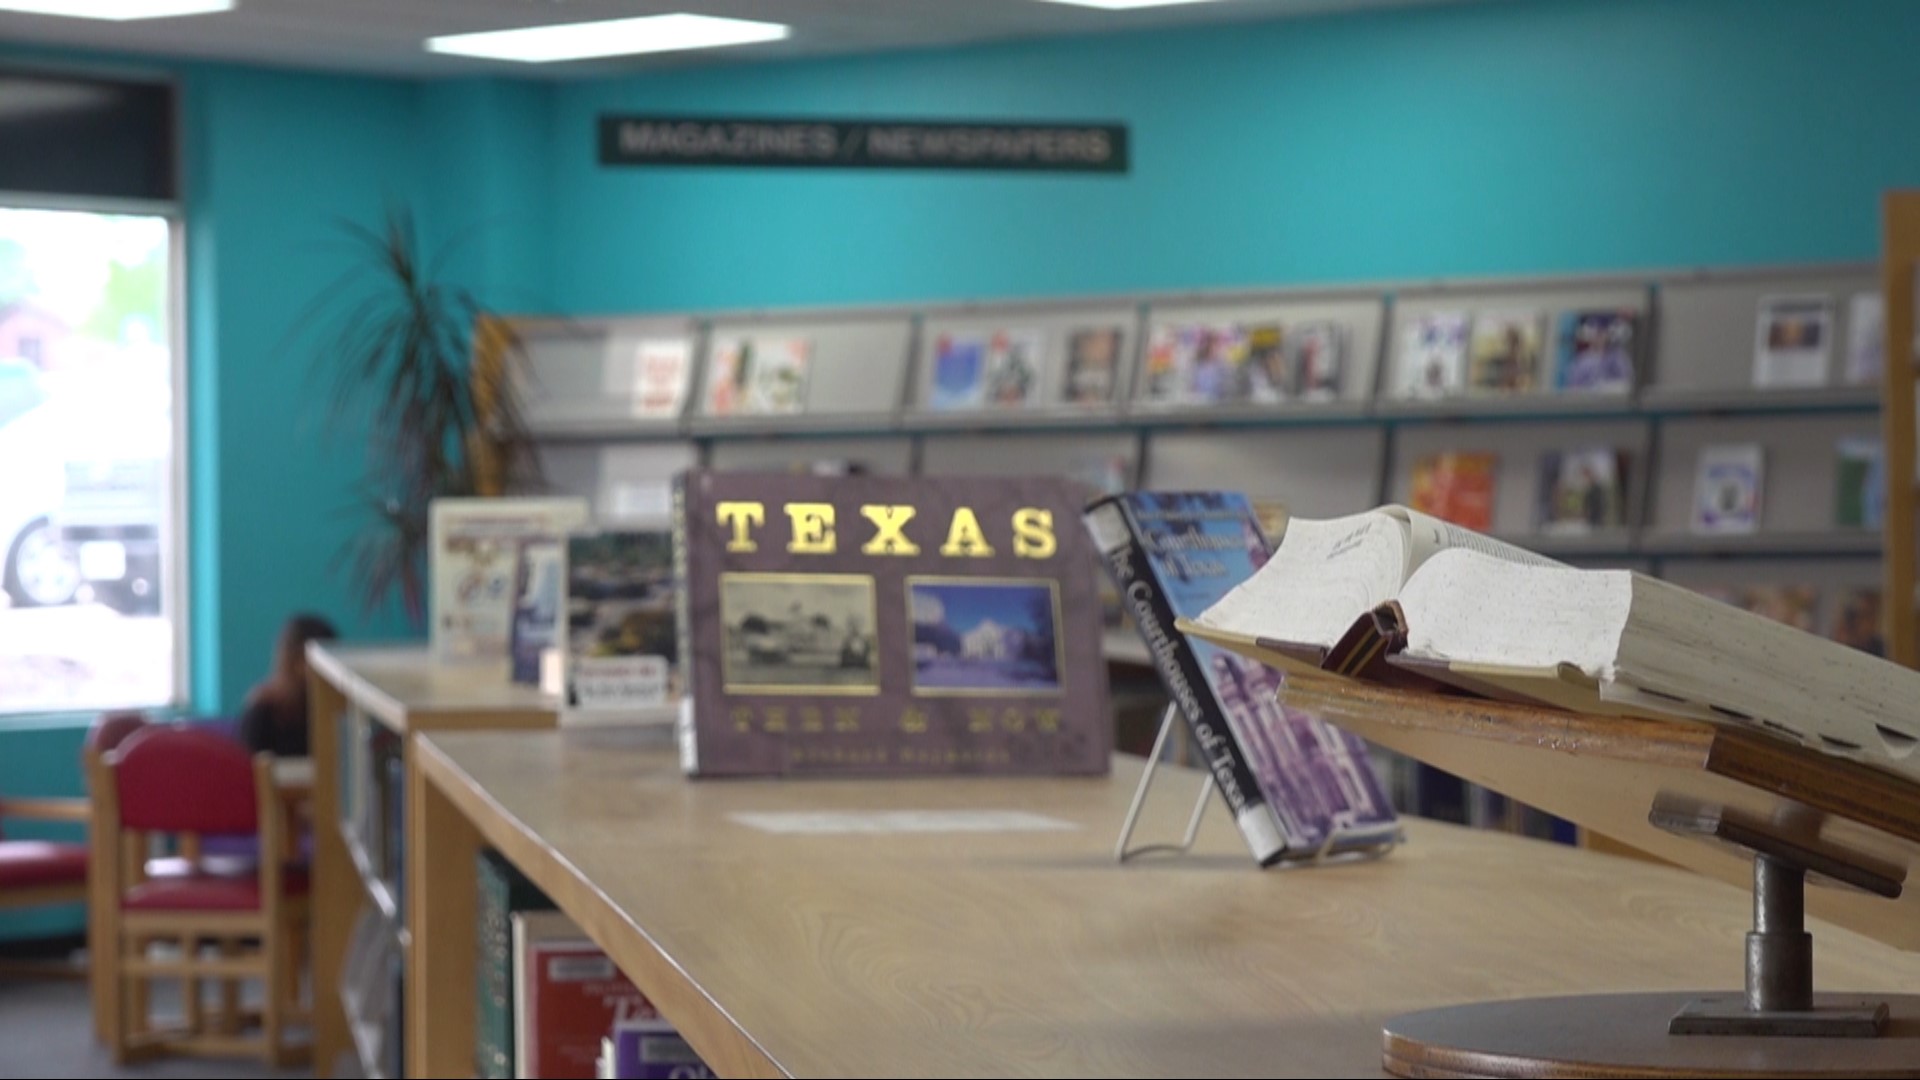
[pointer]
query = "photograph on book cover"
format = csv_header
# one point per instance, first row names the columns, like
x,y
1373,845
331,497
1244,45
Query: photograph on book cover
x,y
1197,365
985,635
799,634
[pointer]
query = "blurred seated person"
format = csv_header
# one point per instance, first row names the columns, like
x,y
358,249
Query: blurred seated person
x,y
275,717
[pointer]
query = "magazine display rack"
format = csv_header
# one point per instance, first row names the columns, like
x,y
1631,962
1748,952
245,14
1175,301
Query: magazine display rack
x,y
1747,808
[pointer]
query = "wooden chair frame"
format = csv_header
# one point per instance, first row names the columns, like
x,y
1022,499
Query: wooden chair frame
x,y
265,944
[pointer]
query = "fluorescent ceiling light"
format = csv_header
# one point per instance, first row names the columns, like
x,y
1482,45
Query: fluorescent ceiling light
x,y
117,10
614,37
1126,5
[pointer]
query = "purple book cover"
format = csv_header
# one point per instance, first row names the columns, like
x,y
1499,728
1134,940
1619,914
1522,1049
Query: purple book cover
x,y
884,625
1315,778
650,1050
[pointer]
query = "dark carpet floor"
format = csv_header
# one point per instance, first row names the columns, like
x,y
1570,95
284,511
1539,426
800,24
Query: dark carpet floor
x,y
46,1030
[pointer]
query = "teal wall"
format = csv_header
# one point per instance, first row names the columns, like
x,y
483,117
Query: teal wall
x,y
1496,138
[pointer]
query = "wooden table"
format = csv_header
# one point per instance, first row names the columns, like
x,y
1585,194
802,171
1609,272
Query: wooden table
x,y
402,690
1029,953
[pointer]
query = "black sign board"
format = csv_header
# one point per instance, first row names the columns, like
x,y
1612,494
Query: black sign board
x,y
864,144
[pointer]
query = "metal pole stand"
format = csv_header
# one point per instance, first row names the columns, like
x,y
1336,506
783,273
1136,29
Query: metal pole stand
x,y
1779,1001
1169,721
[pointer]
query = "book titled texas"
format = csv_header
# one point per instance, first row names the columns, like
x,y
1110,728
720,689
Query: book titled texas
x,y
868,625
1296,785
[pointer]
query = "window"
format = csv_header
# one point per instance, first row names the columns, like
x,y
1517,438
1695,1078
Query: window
x,y
89,496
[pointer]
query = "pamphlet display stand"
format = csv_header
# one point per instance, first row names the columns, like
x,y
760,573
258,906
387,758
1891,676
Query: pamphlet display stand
x,y
1748,808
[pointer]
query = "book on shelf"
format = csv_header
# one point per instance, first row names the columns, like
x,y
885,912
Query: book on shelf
x,y
1316,361
1789,604
1594,352
1857,621
1433,355
1451,609
538,588
888,625
567,995
619,637
1197,364
1795,341
1456,486
1860,483
1582,491
959,378
1866,339
1504,355
502,892
1295,785
639,1049
758,376
1092,373
1728,484
662,376
473,557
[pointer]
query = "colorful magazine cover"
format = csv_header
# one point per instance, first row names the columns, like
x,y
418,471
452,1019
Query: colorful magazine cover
x,y
1727,489
1093,366
1456,487
662,370
959,379
758,376
1857,620
1793,605
1505,353
1013,368
1316,361
1582,491
1866,338
1268,381
1594,352
1795,341
1197,364
1860,483
1433,355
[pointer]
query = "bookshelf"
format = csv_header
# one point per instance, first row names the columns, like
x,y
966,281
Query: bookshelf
x,y
874,402
368,706
1032,953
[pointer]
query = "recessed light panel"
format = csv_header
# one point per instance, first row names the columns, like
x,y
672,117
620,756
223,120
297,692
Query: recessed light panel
x,y
613,37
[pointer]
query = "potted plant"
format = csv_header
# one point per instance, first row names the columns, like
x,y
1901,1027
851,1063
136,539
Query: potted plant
x,y
429,370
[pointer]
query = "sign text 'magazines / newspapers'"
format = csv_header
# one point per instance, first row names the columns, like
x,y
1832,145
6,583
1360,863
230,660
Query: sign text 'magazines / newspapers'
x,y
866,144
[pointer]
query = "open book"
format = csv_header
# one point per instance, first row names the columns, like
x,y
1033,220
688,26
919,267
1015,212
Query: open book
x,y
1394,590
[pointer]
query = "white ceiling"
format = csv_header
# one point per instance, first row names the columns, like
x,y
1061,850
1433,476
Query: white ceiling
x,y
385,35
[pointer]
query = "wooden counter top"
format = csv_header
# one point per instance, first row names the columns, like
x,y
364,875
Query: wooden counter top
x,y
1031,953
402,687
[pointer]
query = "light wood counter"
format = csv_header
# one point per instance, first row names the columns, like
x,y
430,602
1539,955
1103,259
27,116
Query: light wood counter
x,y
399,688
1031,953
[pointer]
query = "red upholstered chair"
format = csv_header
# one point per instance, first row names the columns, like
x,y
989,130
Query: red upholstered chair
x,y
37,872
186,783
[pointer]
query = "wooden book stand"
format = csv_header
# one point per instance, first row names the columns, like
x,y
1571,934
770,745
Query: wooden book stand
x,y
1722,801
